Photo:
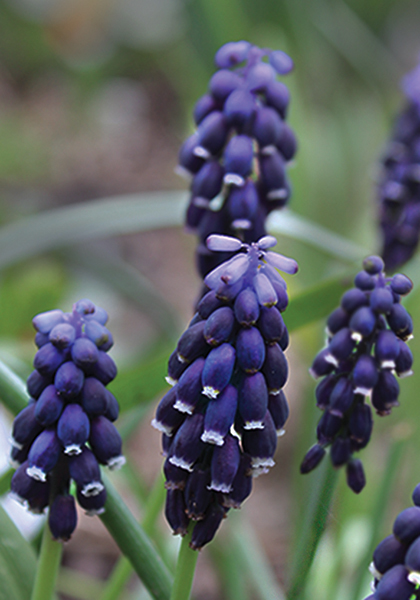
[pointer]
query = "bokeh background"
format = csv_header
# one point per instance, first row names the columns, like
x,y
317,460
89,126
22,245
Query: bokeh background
x,y
95,100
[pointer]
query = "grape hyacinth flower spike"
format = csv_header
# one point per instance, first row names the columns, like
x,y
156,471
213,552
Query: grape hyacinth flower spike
x,y
366,348
237,157
67,430
399,186
221,419
396,559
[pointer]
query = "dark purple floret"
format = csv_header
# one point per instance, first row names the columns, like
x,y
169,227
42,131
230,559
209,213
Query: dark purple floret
x,y
222,418
365,350
69,408
238,154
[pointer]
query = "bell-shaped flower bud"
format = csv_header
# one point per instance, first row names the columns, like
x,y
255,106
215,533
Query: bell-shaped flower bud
x,y
250,350
261,444
407,525
93,505
279,411
168,418
388,553
26,427
205,529
218,369
62,335
219,416
43,455
49,406
106,443
253,400
189,387
275,368
197,494
355,476
62,517
68,380
48,359
84,353
84,470
187,445
175,511
394,585
94,397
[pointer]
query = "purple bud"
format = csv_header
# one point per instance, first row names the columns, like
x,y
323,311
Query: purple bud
x,y
340,452
246,307
48,359
338,319
239,108
242,204
104,368
267,126
224,465
264,290
355,475
281,61
312,459
44,322
62,517
99,335
273,175
175,512
112,407
223,83
365,375
189,387
208,304
29,491
341,398
328,427
223,243
283,263
43,455
187,445
187,159
381,300
271,324
373,265
218,370
69,380
106,443
322,364
192,343
94,399
387,348
241,485
253,400
342,344
167,418
99,314
412,561
175,477
399,320
404,360
49,406
84,470
203,107
219,326
250,350
84,307
231,54
361,423
259,77
197,494
93,505
407,525
212,134
287,142
84,353
205,529
388,553
364,281
278,96
36,383
25,427
353,299
279,411
362,323
394,585
175,368
62,335
261,444
238,159
401,284
207,183
275,368
73,428
385,393
219,416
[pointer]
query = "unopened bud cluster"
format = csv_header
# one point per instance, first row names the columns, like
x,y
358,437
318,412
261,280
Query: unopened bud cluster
x,y
238,154
67,429
396,560
221,419
366,348
399,188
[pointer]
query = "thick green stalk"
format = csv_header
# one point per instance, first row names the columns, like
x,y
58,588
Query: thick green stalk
x,y
48,564
185,569
320,495
135,544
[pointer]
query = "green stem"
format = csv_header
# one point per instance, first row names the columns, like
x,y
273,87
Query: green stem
x,y
135,544
123,568
320,496
48,564
12,389
185,569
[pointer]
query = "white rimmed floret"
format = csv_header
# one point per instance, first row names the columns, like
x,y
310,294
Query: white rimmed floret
x,y
330,358
219,487
184,407
388,364
181,463
116,462
36,473
93,488
405,374
356,336
15,444
73,449
210,392
363,390
161,427
254,425
234,179
92,512
212,437
201,152
280,432
171,381
265,463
